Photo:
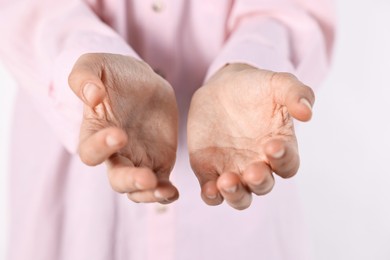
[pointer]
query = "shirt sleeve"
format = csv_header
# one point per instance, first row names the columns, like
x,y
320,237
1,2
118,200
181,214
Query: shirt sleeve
x,y
40,42
293,36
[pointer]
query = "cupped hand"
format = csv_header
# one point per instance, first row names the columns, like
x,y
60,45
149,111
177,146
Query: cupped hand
x,y
130,122
240,131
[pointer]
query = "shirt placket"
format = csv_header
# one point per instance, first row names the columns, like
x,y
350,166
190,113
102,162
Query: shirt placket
x,y
160,237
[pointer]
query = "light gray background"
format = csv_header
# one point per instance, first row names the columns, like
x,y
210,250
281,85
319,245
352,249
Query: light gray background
x,y
344,176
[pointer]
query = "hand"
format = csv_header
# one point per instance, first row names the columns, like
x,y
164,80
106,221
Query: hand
x,y
130,122
240,130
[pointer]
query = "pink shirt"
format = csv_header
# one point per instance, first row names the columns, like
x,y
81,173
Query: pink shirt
x,y
61,209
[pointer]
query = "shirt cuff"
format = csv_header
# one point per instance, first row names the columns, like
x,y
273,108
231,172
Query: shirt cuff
x,y
259,42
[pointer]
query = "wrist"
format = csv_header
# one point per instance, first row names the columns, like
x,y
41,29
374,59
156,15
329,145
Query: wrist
x,y
228,69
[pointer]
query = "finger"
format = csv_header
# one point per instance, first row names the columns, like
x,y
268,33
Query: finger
x,y
283,157
210,193
98,147
297,97
258,177
124,177
85,80
207,177
235,194
204,170
164,193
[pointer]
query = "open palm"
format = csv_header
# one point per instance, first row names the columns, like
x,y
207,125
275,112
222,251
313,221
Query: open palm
x,y
130,122
240,130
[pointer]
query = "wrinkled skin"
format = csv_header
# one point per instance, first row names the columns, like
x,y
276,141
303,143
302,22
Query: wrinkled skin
x,y
130,122
240,128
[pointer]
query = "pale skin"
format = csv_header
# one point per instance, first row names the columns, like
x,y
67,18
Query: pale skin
x,y
240,128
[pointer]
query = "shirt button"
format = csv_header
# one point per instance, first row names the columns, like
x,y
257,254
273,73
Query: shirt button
x,y
158,6
161,209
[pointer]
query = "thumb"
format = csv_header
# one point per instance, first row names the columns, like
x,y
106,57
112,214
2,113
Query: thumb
x,y
85,80
296,96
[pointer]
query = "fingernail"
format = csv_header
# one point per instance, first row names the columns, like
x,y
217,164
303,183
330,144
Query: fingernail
x,y
231,189
306,103
258,181
111,141
138,186
278,154
211,196
89,91
158,195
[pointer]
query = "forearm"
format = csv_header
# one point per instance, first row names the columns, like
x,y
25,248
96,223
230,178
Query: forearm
x,y
282,35
41,41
